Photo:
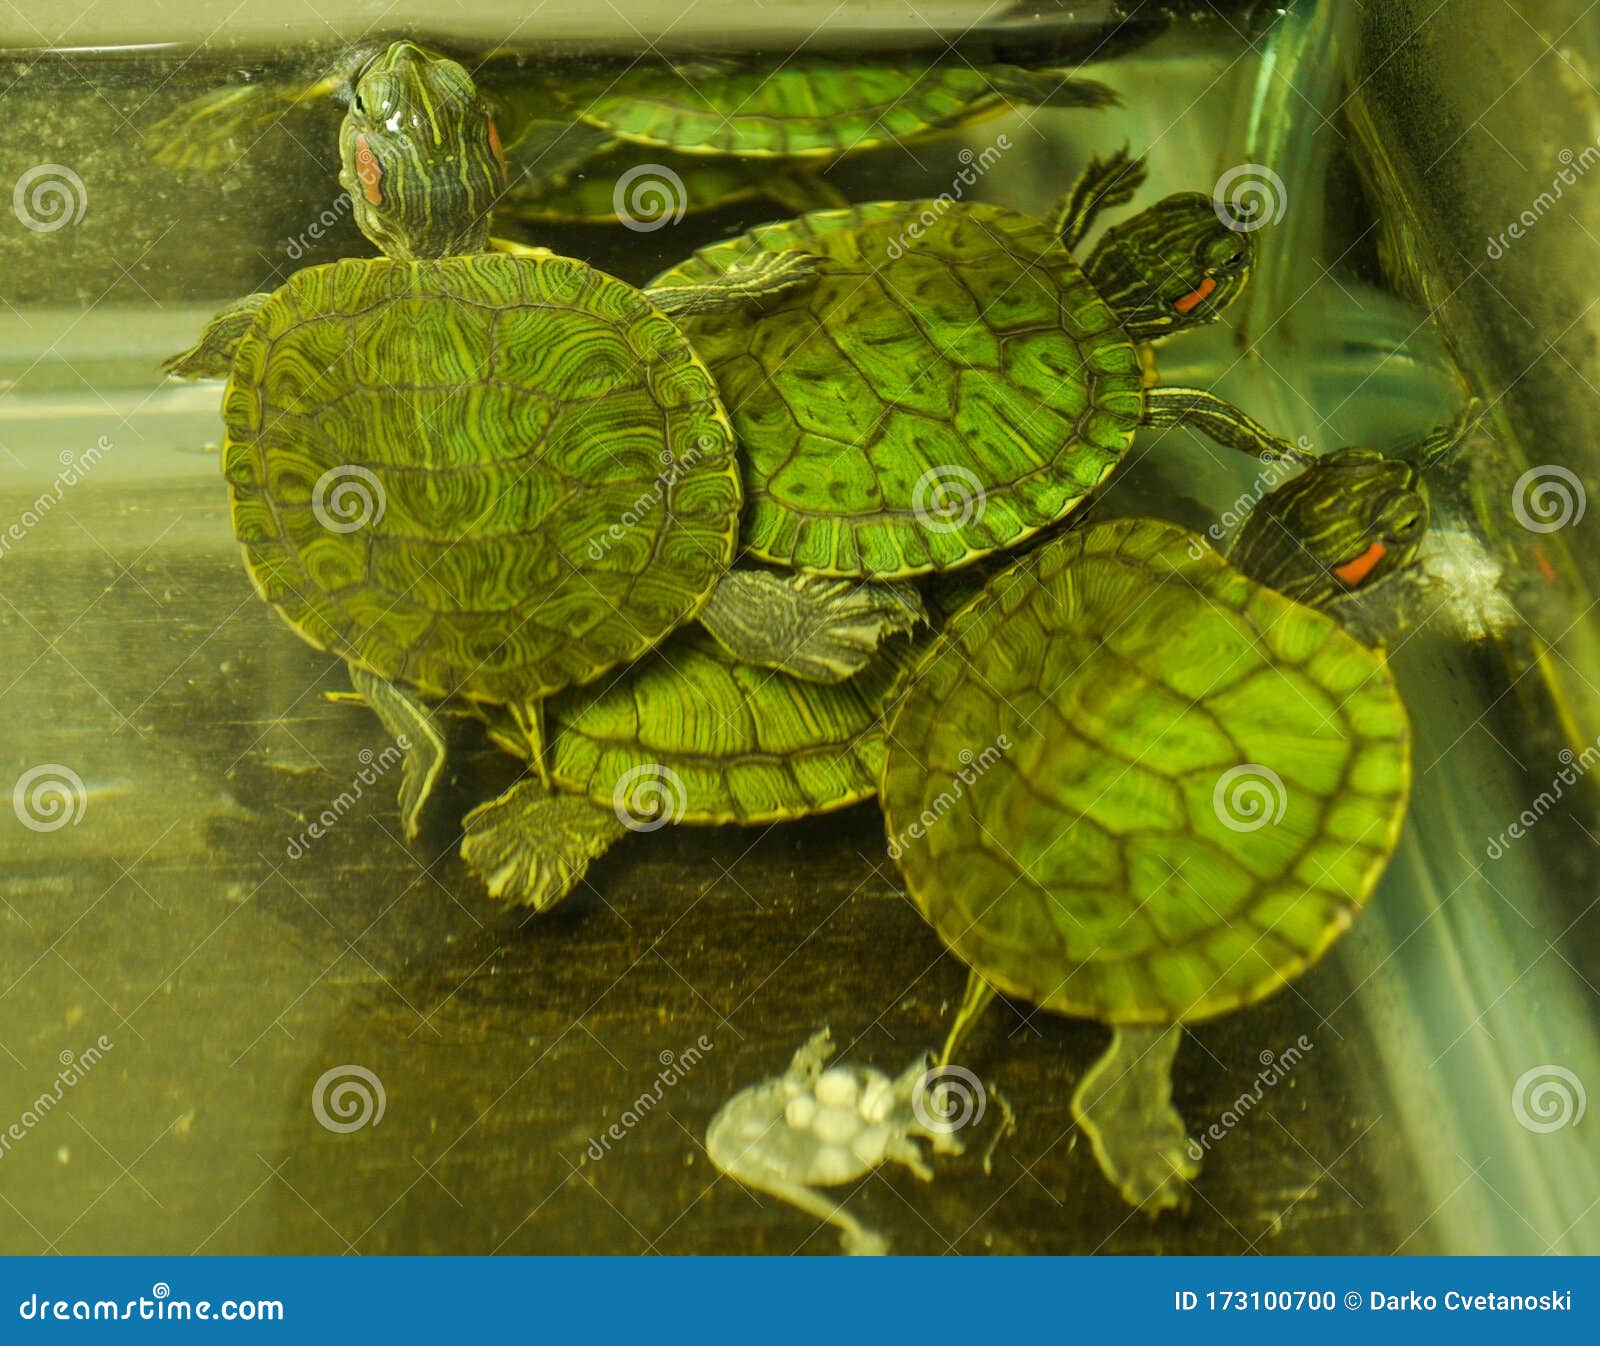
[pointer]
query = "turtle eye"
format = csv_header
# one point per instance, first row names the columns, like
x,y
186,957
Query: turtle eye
x,y
1227,252
360,106
1404,516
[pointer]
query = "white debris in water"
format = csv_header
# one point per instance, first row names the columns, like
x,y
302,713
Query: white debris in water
x,y
1465,586
812,1128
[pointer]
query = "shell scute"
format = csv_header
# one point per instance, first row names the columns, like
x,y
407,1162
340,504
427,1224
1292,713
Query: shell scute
x,y
1025,387
422,453
1196,798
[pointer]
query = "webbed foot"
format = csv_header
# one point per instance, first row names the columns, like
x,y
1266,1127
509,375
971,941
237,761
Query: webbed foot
x,y
810,627
1124,1105
1049,87
531,847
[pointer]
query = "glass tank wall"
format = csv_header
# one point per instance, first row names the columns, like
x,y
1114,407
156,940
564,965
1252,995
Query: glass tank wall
x,y
229,1025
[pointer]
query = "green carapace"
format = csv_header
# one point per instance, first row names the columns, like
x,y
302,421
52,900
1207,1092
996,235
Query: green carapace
x,y
812,105
955,381
1136,782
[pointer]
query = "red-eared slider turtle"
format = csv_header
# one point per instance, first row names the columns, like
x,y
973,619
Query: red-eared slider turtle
x,y
810,106
487,478
1135,782
688,734
954,381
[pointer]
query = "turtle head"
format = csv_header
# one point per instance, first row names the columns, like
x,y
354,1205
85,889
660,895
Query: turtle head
x,y
420,156
1174,266
1349,521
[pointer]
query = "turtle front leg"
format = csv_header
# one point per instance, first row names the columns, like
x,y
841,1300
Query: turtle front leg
x,y
805,625
212,356
1219,420
416,729
531,847
1049,86
800,193
1124,1105
746,285
1106,182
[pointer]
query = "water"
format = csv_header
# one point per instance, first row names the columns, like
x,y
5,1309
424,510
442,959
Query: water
x,y
204,983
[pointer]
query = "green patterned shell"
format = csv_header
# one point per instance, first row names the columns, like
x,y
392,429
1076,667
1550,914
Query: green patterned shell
x,y
482,476
811,106
951,385
692,734
1131,784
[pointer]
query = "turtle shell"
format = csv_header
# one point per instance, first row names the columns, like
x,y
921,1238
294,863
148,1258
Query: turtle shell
x,y
691,735
1131,784
482,476
951,384
812,106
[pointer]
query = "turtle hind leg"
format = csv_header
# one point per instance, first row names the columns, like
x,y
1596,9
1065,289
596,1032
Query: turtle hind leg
x,y
531,847
1218,420
1124,1105
413,726
977,997
810,627
212,356
744,285
1108,181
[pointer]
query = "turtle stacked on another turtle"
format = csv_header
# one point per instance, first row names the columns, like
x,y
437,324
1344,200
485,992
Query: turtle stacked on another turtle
x,y
954,381
498,418
1024,390
482,478
1135,782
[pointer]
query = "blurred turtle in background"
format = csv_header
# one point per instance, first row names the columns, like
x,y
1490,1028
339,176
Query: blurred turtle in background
x,y
729,128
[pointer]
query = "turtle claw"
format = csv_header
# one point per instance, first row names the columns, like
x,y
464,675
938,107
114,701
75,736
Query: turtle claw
x,y
531,847
1124,1105
810,627
1107,181
1154,1174
772,273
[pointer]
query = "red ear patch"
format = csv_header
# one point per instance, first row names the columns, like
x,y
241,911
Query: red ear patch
x,y
494,145
369,170
1351,573
1196,296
